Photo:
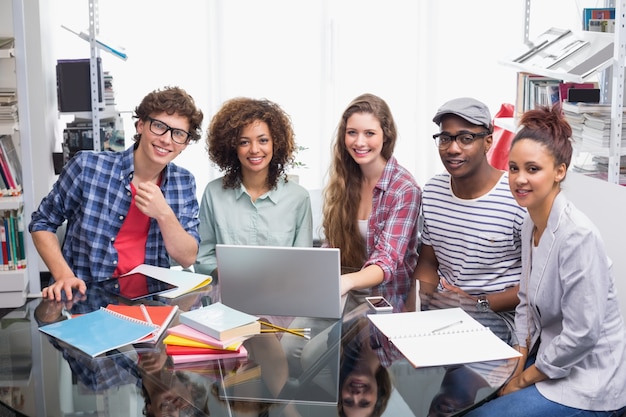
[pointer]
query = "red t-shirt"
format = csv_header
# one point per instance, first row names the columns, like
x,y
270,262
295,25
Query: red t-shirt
x,y
131,248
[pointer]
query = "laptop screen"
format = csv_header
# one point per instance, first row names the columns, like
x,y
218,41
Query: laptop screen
x,y
280,281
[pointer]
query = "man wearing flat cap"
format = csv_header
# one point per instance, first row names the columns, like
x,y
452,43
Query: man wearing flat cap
x,y
471,222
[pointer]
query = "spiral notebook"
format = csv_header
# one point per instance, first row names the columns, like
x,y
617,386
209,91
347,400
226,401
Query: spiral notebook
x,y
442,337
161,315
99,331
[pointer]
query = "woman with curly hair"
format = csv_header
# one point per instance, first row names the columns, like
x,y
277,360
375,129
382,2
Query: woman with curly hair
x,y
252,142
371,204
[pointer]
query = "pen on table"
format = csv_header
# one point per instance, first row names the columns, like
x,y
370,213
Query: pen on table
x,y
446,326
144,310
285,330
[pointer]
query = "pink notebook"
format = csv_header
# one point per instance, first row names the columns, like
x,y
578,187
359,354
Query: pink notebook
x,y
182,330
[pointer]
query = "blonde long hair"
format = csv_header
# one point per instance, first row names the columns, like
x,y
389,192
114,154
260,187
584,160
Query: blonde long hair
x,y
342,194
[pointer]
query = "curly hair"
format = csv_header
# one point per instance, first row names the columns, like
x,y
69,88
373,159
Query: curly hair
x,y
547,126
343,192
171,100
227,126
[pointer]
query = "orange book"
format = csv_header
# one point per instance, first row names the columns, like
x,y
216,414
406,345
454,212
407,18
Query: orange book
x,y
160,315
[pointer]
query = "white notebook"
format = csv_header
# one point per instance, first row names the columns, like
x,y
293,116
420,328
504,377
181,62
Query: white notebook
x,y
442,337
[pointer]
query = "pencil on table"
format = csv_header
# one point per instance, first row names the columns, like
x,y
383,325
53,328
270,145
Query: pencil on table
x,y
285,330
303,330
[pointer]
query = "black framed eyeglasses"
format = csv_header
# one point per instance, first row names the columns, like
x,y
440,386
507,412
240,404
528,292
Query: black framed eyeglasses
x,y
160,128
465,139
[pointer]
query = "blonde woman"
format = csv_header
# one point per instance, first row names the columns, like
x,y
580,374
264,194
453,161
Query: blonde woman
x,y
371,204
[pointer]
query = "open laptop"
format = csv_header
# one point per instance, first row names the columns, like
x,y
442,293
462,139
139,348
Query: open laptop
x,y
280,281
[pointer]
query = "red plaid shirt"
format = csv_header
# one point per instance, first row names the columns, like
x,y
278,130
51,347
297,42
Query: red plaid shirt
x,y
392,239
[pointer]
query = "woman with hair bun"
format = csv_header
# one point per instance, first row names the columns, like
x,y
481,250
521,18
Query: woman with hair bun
x,y
568,323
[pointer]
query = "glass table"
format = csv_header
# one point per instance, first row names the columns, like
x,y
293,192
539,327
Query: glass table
x,y
347,368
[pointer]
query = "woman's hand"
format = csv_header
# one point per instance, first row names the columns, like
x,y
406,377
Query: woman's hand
x,y
513,385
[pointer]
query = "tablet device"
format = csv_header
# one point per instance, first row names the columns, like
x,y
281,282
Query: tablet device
x,y
153,286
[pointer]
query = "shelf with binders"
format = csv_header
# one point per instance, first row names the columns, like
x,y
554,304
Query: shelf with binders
x,y
10,168
14,276
12,249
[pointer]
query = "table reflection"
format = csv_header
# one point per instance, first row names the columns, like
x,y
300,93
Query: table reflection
x,y
347,368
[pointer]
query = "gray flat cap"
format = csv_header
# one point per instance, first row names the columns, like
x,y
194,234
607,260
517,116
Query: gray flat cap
x,y
468,108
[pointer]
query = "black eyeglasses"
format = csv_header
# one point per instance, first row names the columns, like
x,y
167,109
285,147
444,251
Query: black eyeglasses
x,y
465,140
159,128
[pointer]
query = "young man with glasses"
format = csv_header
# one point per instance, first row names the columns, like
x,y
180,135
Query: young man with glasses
x,y
471,222
124,208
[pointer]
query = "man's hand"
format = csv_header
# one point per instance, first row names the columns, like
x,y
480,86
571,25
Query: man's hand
x,y
456,290
55,291
150,200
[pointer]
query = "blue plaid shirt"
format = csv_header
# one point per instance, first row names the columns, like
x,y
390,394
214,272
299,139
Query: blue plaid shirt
x,y
93,194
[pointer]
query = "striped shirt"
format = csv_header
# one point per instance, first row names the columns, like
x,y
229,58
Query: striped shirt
x,y
476,242
93,194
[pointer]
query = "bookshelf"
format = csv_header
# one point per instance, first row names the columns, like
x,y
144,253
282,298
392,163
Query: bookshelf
x,y
601,56
15,278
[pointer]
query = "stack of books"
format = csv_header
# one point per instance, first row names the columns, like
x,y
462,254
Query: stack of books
x,y
8,110
596,130
599,19
591,133
12,253
10,168
591,124
210,333
109,92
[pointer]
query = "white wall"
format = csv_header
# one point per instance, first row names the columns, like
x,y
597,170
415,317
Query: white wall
x,y
313,58
604,204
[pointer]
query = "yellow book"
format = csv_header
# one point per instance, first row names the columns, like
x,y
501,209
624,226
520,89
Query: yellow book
x,y
242,375
172,339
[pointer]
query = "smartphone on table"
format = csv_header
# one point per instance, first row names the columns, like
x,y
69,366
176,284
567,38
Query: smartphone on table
x,y
379,304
